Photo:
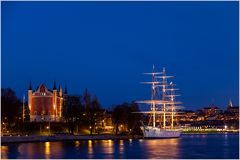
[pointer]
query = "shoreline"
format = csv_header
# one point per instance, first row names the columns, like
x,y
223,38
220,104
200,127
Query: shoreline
x,y
54,138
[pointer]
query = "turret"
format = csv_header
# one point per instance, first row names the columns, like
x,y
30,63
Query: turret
x,y
30,96
55,98
60,91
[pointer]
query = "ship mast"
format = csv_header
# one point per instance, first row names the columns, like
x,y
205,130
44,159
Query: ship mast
x,y
163,96
166,101
172,100
168,98
153,98
173,106
153,102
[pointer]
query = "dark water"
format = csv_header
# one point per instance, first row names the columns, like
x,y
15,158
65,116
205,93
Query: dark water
x,y
188,146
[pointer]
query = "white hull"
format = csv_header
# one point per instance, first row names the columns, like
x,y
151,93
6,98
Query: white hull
x,y
154,132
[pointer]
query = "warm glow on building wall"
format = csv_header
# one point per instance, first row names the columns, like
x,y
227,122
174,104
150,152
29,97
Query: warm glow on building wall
x,y
44,104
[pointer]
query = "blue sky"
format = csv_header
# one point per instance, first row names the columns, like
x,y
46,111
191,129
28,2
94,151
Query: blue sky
x,y
106,46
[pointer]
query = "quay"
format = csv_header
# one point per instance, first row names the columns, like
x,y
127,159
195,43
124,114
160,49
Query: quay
x,y
45,138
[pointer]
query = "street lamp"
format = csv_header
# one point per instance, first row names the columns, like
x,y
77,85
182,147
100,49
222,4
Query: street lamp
x,y
225,126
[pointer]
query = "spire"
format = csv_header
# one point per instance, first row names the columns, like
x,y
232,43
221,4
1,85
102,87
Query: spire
x,y
60,90
230,103
65,92
30,86
54,87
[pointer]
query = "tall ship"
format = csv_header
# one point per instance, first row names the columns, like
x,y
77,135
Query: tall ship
x,y
163,108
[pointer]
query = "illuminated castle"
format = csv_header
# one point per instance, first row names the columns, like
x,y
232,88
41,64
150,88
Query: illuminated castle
x,y
44,104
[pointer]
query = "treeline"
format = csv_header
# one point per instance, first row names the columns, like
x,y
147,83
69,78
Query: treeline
x,y
11,109
81,113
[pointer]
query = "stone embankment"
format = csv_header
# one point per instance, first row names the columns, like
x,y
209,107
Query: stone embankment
x,y
36,138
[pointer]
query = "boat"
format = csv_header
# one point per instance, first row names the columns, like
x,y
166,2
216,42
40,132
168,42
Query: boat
x,y
163,108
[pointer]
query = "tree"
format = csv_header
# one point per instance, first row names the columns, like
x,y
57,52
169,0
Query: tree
x,y
124,114
86,100
134,119
87,107
119,115
94,113
92,108
11,107
74,112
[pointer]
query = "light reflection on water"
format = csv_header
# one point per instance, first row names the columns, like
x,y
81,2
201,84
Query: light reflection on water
x,y
191,146
33,150
107,147
47,149
90,149
77,144
163,148
121,147
4,152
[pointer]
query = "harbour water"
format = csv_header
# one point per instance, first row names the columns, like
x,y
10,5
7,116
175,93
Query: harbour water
x,y
188,146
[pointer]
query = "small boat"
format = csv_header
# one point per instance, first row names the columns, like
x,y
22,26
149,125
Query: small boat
x,y
163,108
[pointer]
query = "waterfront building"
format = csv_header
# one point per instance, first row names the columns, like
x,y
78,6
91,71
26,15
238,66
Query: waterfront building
x,y
232,112
187,115
191,116
104,121
200,118
107,121
45,104
211,111
232,109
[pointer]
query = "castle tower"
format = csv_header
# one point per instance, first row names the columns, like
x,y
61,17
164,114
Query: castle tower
x,y
55,99
30,97
61,101
60,91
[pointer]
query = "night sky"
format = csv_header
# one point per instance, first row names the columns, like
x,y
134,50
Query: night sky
x,y
106,46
